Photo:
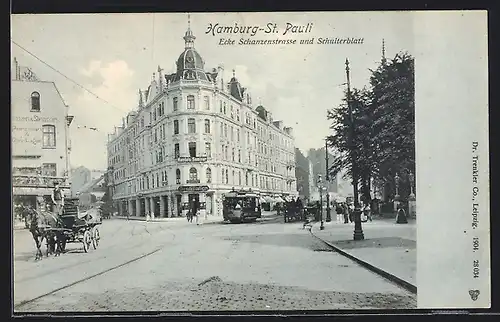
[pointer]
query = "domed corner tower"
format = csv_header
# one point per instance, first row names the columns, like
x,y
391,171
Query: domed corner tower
x,y
190,65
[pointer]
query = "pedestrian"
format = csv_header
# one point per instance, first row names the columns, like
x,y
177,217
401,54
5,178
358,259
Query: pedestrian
x,y
194,211
57,197
367,212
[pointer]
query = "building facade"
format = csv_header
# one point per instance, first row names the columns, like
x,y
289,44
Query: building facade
x,y
195,137
79,177
40,137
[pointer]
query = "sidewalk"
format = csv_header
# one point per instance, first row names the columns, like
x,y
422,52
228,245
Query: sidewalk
x,y
387,246
201,219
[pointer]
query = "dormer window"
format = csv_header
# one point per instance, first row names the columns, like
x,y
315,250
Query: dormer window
x,y
35,102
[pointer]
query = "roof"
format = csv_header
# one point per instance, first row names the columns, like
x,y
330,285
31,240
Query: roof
x,y
91,185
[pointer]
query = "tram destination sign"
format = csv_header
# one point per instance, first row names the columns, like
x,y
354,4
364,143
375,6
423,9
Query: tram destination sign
x,y
193,188
192,159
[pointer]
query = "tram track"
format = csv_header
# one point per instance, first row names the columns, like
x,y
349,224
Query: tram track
x,y
108,247
25,302
141,243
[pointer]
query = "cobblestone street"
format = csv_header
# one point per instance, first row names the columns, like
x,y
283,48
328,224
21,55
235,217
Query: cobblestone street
x,y
266,265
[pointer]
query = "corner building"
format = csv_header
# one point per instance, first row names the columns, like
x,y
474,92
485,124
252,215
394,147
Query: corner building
x,y
40,137
195,137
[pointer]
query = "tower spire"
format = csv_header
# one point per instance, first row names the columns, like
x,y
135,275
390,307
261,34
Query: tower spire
x,y
141,102
383,51
189,37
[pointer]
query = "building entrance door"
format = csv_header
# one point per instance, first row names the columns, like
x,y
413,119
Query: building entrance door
x,y
194,201
178,200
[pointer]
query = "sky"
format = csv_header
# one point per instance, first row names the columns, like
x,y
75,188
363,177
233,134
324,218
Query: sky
x,y
115,55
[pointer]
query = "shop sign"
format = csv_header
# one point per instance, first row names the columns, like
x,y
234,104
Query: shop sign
x,y
191,159
193,188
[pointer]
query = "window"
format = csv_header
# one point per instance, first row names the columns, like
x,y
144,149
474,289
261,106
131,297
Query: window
x,y
233,178
191,125
207,102
221,129
165,178
35,102
225,130
49,169
220,106
239,155
227,176
223,149
238,115
246,178
224,107
232,113
176,126
178,176
222,178
49,136
190,102
209,175
176,151
193,175
238,135
239,178
208,149
233,154
207,126
176,102
192,149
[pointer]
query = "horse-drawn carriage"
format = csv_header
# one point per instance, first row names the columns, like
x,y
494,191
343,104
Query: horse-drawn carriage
x,y
293,212
80,227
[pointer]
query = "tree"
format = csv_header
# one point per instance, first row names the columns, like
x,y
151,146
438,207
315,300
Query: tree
x,y
379,139
352,138
393,92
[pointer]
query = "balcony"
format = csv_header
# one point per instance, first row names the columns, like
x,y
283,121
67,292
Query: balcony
x,y
37,181
192,181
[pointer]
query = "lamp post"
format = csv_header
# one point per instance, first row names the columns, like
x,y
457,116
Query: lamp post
x,y
328,211
320,189
400,214
397,196
412,203
358,229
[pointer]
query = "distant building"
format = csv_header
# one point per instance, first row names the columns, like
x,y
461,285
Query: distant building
x,y
92,192
302,174
318,164
40,137
81,176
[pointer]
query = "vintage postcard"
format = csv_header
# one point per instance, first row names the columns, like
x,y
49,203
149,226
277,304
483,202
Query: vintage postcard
x,y
250,161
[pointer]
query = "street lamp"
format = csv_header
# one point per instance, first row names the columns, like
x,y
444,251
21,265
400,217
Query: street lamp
x,y
328,211
358,229
320,188
412,202
396,182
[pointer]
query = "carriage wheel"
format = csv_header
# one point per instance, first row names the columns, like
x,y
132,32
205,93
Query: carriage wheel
x,y
87,241
95,237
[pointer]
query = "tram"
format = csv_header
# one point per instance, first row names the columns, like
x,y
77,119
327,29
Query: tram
x,y
241,206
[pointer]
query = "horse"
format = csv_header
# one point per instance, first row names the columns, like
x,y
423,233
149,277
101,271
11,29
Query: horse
x,y
37,222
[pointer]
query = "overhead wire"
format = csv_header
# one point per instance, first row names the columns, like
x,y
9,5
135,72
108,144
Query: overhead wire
x,y
66,77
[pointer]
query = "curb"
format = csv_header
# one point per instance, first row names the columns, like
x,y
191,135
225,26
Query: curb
x,y
393,278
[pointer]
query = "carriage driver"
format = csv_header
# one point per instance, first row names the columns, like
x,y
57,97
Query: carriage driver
x,y
57,199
